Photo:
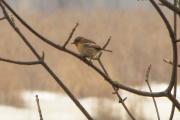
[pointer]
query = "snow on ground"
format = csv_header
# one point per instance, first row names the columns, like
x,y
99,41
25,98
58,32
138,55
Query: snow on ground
x,y
146,107
59,107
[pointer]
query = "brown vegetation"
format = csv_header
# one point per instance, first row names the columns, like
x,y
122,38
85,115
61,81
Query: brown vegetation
x,y
138,39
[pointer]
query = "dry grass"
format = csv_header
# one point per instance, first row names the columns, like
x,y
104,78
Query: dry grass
x,y
10,90
138,39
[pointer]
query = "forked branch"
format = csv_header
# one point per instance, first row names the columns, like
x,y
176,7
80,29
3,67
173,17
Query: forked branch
x,y
105,45
170,62
173,43
170,6
113,83
178,40
109,80
117,93
147,81
121,100
54,45
20,62
70,35
60,83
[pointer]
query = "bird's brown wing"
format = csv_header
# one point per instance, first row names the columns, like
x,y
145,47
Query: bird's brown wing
x,y
97,47
88,41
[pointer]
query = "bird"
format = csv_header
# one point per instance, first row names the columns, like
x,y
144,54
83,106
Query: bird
x,y
88,48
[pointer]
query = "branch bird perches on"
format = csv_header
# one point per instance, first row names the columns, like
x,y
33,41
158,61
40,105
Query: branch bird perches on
x,y
48,69
164,93
109,80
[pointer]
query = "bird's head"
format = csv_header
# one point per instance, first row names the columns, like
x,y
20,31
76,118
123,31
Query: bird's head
x,y
78,40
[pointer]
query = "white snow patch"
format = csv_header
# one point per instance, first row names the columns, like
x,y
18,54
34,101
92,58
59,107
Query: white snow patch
x,y
56,106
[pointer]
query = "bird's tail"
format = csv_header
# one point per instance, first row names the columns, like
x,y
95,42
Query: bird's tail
x,y
106,50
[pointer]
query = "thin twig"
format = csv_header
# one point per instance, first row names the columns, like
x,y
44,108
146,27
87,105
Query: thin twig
x,y
105,45
41,59
170,6
60,83
109,80
39,108
56,46
70,35
174,46
170,62
21,62
147,81
178,40
3,18
117,93
115,89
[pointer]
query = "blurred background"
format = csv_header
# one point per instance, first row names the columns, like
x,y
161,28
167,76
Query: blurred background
x,y
139,38
89,5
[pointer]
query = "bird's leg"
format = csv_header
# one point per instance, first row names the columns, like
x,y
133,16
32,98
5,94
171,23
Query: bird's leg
x,y
90,60
87,59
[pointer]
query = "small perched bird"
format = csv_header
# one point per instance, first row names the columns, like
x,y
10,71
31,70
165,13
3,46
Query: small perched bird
x,y
88,48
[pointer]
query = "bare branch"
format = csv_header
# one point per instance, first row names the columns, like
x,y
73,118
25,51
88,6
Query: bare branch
x,y
116,89
173,105
173,42
109,80
175,85
147,73
170,6
172,35
39,108
147,81
178,40
60,83
113,83
43,56
105,45
70,35
102,66
174,101
124,105
170,62
2,18
21,62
